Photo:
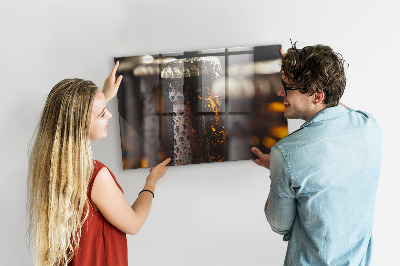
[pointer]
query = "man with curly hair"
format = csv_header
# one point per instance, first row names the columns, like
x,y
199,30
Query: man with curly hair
x,y
324,175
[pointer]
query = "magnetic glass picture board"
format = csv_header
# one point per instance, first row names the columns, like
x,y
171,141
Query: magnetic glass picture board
x,y
200,106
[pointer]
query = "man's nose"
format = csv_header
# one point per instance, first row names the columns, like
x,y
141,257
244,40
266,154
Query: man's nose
x,y
281,91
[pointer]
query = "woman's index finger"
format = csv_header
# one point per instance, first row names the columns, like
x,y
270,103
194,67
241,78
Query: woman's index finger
x,y
114,71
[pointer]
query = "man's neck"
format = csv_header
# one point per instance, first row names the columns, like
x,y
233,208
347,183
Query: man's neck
x,y
318,108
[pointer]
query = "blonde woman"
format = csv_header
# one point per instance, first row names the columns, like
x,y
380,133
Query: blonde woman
x,y
78,212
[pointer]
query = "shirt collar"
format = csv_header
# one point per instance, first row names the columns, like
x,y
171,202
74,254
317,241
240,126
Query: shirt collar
x,y
325,114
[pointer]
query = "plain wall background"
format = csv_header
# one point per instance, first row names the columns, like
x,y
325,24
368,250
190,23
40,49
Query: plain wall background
x,y
208,214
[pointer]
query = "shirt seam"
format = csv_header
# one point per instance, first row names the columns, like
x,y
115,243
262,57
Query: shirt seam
x,y
286,163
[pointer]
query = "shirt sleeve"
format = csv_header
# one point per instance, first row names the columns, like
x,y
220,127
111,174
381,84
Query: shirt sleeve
x,y
281,210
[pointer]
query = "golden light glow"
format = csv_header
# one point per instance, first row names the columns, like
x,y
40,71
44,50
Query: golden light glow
x,y
279,132
276,107
268,142
254,141
144,163
212,101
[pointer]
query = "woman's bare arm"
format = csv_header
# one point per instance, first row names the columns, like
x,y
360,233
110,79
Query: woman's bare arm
x,y
114,206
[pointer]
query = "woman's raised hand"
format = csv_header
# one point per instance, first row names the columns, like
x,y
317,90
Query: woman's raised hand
x,y
111,85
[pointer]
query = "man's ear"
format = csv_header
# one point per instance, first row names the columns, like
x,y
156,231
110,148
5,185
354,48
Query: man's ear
x,y
282,52
318,97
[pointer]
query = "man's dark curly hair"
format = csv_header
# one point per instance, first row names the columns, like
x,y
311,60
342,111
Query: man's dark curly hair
x,y
316,69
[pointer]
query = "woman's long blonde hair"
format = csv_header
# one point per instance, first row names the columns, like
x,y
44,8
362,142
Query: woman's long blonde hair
x,y
60,168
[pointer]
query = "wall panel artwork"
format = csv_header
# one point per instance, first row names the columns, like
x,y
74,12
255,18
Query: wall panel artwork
x,y
200,106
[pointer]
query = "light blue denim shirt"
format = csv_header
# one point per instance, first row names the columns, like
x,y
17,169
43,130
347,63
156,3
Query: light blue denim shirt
x,y
323,183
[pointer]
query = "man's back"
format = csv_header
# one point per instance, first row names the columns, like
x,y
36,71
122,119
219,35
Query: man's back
x,y
328,170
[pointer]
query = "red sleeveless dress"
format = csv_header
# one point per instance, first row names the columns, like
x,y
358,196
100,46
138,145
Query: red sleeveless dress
x,y
101,243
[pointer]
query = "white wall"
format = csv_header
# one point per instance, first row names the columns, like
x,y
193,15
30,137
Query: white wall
x,y
209,214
